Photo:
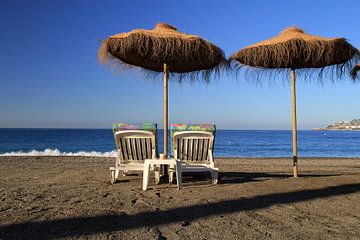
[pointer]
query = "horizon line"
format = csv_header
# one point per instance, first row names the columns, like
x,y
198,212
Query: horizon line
x,y
228,129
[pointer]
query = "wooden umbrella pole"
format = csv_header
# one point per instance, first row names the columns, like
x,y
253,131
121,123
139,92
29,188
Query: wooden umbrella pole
x,y
294,124
165,111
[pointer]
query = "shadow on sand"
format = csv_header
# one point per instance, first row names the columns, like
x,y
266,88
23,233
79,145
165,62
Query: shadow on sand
x,y
87,226
242,177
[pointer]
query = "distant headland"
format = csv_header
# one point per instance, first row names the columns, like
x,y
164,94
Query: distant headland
x,y
343,125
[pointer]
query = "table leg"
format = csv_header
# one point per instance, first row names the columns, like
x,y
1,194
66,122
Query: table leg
x,y
146,175
171,173
157,174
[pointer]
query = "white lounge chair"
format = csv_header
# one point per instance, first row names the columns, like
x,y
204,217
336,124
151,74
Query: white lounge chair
x,y
195,151
133,147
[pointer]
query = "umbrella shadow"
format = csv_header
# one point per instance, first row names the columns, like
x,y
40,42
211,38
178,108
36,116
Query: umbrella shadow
x,y
87,226
243,177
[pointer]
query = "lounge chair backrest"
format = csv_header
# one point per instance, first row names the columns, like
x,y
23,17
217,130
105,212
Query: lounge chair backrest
x,y
193,146
135,145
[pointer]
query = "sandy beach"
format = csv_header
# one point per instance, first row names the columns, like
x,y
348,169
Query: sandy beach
x,y
71,198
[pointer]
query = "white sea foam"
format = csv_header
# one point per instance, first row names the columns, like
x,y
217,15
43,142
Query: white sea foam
x,y
56,152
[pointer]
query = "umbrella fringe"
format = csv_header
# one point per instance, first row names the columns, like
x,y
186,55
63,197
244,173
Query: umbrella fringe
x,y
331,73
354,71
206,76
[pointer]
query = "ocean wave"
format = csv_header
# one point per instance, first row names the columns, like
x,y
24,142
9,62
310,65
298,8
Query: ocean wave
x,y
56,152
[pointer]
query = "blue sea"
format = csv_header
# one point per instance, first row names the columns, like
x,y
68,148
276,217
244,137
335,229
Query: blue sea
x,y
228,143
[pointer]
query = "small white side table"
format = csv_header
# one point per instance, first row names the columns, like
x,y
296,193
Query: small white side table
x,y
169,161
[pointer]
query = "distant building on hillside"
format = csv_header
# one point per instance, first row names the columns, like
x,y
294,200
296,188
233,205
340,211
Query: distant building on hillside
x,y
344,125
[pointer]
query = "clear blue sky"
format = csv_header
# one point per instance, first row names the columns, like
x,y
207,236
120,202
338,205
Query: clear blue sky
x,y
50,77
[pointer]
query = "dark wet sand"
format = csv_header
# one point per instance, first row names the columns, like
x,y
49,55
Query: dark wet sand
x,y
71,198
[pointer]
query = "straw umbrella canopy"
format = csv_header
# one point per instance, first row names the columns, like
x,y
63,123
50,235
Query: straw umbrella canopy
x,y
294,50
164,50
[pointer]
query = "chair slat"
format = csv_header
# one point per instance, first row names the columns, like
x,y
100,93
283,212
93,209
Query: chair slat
x,y
206,153
138,146
124,147
128,144
151,147
178,150
181,149
205,149
148,147
121,150
200,149
186,147
195,149
134,149
129,140
143,148
190,150
138,150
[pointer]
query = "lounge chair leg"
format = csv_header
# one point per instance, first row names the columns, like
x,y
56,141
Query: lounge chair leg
x,y
116,174
157,177
112,180
125,173
171,177
178,175
214,177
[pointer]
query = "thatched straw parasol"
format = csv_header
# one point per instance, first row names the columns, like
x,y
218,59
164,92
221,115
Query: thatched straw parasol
x,y
164,49
355,70
294,49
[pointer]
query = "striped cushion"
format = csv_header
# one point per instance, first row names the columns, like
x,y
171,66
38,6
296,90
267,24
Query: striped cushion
x,y
151,127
